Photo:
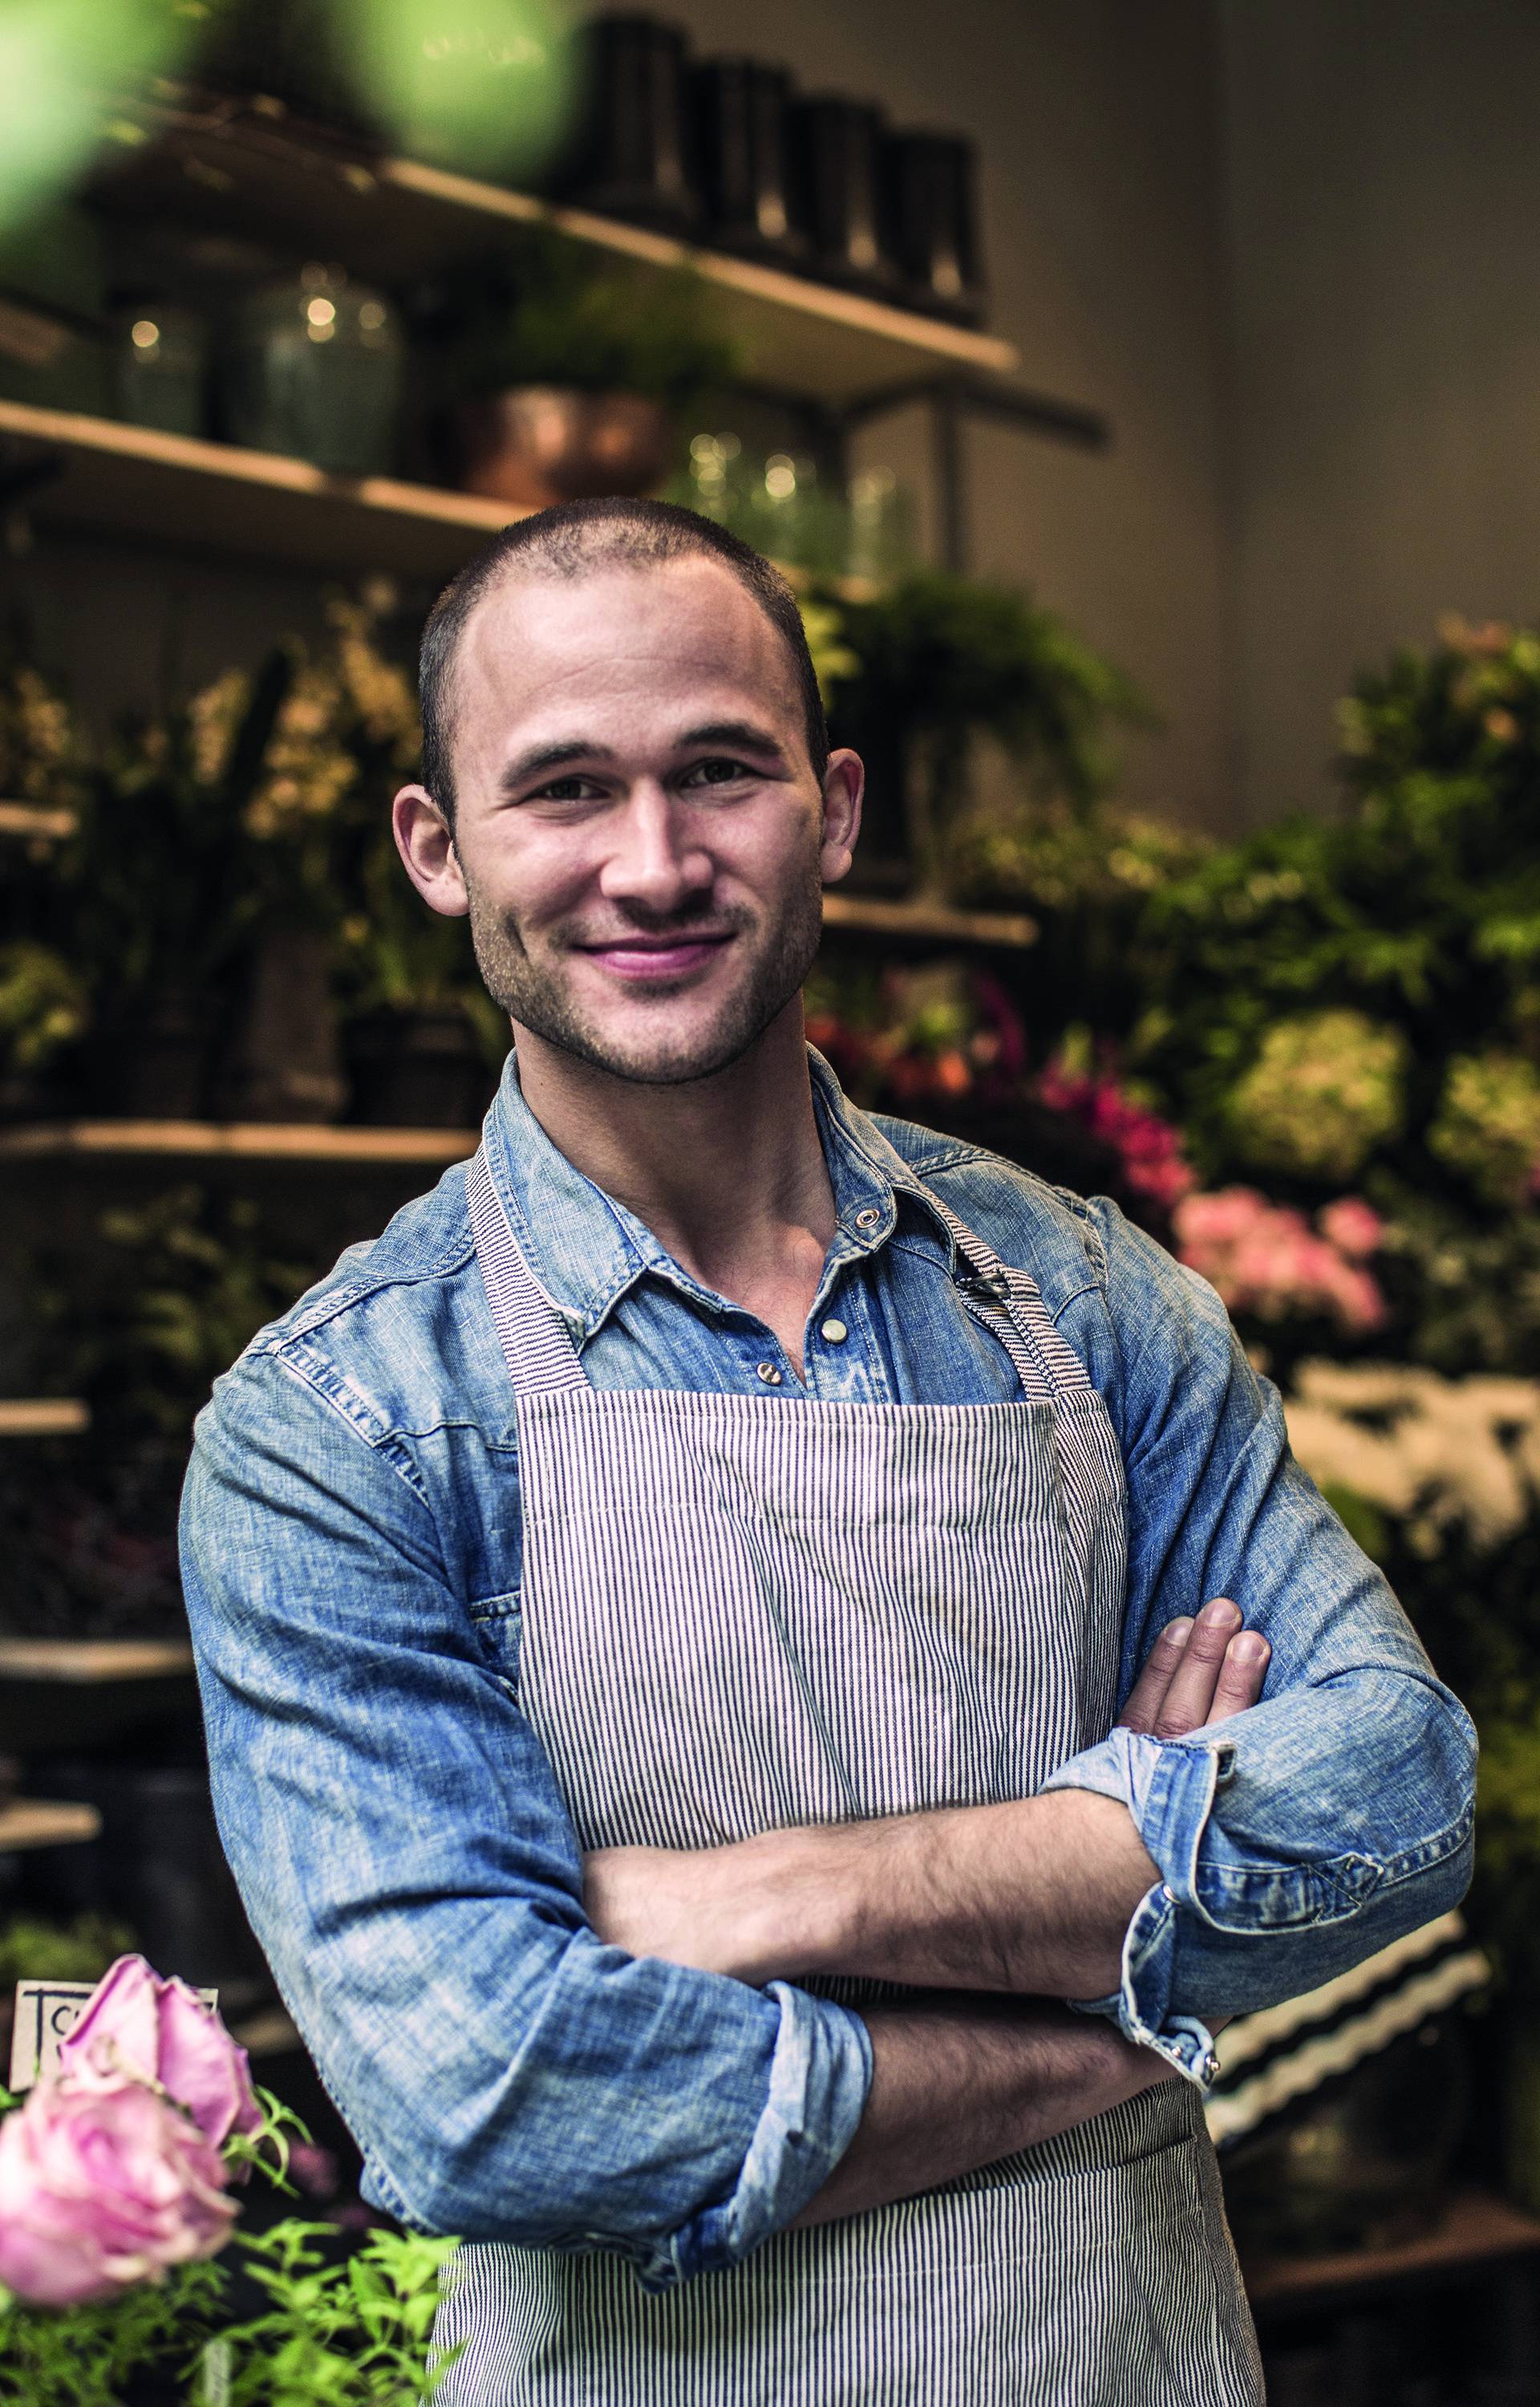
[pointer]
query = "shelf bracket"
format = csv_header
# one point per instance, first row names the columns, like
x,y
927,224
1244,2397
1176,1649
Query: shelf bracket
x,y
952,401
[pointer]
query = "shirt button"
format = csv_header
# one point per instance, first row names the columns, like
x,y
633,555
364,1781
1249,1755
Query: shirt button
x,y
768,1372
835,1332
868,1217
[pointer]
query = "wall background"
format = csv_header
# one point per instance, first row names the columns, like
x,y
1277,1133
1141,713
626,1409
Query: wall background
x,y
1381,202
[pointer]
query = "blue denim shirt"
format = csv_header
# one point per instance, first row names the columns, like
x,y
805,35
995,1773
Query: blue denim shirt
x,y
351,1549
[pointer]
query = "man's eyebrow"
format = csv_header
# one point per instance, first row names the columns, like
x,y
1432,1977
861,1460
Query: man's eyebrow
x,y
550,755
740,731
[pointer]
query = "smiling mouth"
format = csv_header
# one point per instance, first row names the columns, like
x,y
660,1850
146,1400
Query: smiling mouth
x,y
638,957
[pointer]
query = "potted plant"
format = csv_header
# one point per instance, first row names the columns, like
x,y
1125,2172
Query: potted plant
x,y
161,906
423,1039
942,660
340,731
569,383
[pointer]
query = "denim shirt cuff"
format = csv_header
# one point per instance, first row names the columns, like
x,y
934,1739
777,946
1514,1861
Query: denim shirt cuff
x,y
1168,1787
820,2076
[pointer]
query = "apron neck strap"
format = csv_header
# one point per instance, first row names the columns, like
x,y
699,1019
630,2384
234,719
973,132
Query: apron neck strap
x,y
1046,1364
540,1355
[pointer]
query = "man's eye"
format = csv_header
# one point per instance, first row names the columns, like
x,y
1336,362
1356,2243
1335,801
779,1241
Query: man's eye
x,y
566,789
714,772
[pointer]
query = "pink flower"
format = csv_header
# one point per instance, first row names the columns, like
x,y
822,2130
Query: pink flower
x,y
1149,1149
104,2183
1352,1226
1266,1262
135,2025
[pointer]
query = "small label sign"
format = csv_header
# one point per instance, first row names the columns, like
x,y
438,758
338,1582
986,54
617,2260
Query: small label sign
x,y
46,2013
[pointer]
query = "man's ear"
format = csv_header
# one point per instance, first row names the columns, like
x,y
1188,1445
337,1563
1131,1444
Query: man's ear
x,y
844,783
426,843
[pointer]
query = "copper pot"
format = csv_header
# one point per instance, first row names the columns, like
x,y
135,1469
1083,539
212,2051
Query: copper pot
x,y
539,444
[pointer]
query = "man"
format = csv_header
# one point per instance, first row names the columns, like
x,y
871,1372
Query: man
x,y
661,1611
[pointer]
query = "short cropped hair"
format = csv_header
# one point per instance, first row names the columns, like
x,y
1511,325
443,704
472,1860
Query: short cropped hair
x,y
576,539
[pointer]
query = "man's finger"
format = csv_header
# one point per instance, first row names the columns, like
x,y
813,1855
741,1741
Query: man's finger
x,y
1240,1674
1148,1690
1190,1699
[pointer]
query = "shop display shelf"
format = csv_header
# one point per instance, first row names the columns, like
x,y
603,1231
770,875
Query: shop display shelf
x,y
32,824
101,473
43,1417
243,165
29,1822
238,1140
70,1696
1475,2229
930,922
178,489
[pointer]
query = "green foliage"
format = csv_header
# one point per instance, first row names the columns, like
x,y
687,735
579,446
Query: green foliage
x,y
567,322
32,1949
44,1004
159,885
354,2333
945,658
84,2355
1324,1090
42,751
179,1286
1488,1124
1465,1289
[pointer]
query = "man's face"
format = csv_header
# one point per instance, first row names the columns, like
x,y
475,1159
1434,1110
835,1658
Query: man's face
x,y
639,835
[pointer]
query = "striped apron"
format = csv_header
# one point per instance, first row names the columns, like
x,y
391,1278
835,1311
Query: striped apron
x,y
744,1613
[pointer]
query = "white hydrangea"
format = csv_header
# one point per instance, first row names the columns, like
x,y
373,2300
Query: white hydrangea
x,y
1429,1451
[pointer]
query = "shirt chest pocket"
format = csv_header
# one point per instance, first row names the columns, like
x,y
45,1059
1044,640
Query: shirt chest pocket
x,y
498,1625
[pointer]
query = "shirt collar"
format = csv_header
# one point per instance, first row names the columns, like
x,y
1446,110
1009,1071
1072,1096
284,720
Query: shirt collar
x,y
585,1250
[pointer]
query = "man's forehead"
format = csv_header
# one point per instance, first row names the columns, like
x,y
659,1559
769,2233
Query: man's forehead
x,y
653,633
677,605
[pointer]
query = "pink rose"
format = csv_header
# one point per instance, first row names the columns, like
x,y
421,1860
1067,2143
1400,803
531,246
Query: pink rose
x,y
1352,1226
134,2024
104,2183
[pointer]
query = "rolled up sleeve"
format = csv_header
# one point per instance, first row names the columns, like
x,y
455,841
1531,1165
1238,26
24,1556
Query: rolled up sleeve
x,y
1297,1838
410,1870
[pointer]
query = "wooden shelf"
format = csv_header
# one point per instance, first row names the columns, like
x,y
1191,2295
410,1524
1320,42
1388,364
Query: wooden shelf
x,y
1476,2230
930,922
30,1822
396,220
32,821
270,2033
43,1417
93,1662
243,1140
215,496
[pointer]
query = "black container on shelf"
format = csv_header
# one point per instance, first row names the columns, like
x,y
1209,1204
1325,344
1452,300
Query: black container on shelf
x,y
933,222
290,51
631,156
742,136
837,149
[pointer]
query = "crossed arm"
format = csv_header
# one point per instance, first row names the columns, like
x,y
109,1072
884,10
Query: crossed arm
x,y
1031,1899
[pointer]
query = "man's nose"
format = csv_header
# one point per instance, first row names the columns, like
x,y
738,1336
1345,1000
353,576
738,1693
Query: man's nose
x,y
656,859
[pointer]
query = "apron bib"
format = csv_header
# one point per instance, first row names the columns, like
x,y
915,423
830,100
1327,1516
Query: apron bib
x,y
742,1613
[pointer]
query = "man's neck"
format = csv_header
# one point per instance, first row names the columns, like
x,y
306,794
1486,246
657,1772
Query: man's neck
x,y
728,1172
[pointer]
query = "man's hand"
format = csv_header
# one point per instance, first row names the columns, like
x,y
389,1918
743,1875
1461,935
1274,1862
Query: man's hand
x,y
771,1906
1198,1672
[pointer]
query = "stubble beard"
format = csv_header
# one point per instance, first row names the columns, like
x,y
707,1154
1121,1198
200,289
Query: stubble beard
x,y
536,995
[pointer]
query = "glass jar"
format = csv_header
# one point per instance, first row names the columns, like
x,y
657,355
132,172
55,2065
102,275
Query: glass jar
x,y
159,367
314,367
